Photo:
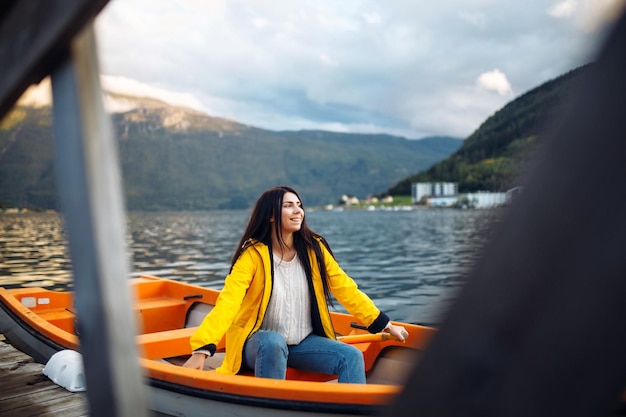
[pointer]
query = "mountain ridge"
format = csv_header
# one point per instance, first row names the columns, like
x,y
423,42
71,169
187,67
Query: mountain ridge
x,y
178,158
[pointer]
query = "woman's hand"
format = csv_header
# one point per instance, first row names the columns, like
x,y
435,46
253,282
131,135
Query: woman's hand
x,y
399,332
195,361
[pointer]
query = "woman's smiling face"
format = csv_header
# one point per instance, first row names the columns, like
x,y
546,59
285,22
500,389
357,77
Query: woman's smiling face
x,y
292,213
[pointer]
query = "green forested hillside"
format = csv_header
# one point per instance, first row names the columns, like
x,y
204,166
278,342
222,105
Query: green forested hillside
x,y
497,153
26,169
174,158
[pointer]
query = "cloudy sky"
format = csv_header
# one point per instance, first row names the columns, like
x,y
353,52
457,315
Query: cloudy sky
x,y
406,67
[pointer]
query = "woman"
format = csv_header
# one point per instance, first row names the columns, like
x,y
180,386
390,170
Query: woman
x,y
273,308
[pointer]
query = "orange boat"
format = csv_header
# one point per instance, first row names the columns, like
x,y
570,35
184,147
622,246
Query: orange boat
x,y
41,323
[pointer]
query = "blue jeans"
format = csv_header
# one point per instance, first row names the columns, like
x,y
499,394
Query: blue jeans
x,y
268,355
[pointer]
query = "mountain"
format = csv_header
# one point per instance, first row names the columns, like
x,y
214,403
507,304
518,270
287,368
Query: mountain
x,y
175,158
496,155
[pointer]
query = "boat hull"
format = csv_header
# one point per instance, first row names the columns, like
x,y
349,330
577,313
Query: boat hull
x,y
169,402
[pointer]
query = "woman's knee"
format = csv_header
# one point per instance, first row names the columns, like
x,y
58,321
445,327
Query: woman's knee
x,y
266,353
354,357
271,343
352,366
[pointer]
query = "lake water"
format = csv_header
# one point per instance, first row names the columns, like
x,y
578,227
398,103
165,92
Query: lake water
x,y
411,263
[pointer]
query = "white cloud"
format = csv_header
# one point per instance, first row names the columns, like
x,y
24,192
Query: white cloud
x,y
495,81
476,19
41,94
326,60
455,107
566,8
372,18
127,86
260,22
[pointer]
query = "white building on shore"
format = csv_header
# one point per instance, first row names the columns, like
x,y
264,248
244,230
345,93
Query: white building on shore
x,y
485,199
421,190
445,194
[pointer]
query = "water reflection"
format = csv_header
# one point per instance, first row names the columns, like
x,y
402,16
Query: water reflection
x,y
33,251
410,262
189,246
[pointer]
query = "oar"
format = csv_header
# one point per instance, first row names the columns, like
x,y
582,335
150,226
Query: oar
x,y
365,338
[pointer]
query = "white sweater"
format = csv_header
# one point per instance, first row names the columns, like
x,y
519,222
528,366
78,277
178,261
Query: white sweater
x,y
289,310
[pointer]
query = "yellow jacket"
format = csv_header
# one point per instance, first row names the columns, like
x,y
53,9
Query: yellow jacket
x,y
242,303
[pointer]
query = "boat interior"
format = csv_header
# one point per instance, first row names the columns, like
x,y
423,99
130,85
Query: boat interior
x,y
168,313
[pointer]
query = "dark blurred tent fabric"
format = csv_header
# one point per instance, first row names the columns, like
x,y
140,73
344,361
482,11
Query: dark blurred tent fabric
x,y
540,327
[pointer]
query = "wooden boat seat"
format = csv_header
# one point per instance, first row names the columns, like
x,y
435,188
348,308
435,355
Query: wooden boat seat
x,y
165,344
160,314
63,318
154,315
